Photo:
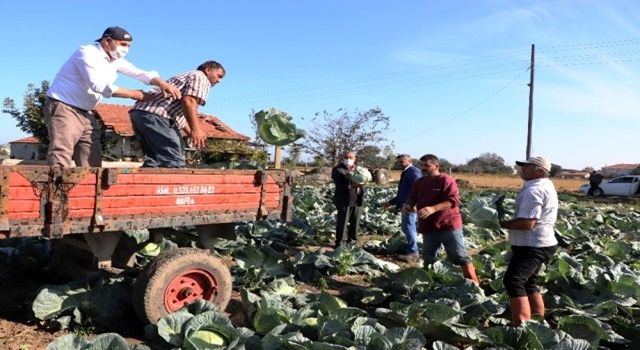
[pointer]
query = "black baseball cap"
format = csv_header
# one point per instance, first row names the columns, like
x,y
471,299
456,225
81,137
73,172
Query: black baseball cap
x,y
116,33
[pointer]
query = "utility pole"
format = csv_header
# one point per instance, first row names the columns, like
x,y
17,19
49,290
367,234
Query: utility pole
x,y
530,123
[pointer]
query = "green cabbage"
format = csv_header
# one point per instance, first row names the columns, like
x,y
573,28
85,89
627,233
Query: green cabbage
x,y
205,338
275,127
360,176
482,214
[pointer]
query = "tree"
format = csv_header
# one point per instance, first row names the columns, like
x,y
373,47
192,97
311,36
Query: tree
x,y
588,169
30,119
332,135
294,155
555,170
445,165
487,163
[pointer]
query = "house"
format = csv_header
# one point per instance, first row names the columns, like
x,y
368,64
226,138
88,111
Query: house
x,y
27,148
621,169
118,133
572,174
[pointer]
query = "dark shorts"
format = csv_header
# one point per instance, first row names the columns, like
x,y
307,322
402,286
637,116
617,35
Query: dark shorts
x,y
521,277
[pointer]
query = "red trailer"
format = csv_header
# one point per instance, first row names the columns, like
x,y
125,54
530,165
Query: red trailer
x,y
87,209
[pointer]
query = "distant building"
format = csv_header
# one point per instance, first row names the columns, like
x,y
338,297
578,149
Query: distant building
x,y
619,169
116,124
118,129
5,151
28,148
572,174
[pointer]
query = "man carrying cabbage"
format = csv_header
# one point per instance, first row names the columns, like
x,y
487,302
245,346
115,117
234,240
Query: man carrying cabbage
x,y
410,173
436,199
348,197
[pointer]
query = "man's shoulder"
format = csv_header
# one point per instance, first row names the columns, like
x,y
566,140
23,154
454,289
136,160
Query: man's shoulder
x,y
193,74
540,187
414,170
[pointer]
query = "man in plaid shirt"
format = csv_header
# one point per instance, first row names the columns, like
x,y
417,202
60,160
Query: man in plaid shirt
x,y
157,123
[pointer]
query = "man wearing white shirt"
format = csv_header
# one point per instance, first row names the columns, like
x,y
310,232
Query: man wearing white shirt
x,y
88,76
532,238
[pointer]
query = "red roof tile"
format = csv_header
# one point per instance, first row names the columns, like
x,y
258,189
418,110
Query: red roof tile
x,y
28,139
116,117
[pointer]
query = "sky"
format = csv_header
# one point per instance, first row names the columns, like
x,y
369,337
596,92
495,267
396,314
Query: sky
x,y
451,75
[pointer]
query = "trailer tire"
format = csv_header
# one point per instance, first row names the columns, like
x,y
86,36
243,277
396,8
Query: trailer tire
x,y
179,277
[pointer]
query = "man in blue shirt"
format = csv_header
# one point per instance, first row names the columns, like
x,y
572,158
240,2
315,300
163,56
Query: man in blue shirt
x,y
410,174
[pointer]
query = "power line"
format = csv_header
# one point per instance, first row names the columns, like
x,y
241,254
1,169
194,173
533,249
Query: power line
x,y
560,55
474,106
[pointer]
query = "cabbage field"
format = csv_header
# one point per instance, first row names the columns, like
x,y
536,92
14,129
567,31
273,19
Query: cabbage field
x,y
293,292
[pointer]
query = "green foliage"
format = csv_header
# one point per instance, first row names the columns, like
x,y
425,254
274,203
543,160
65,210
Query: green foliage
x,y
591,288
344,261
275,127
490,163
373,157
30,119
231,151
555,170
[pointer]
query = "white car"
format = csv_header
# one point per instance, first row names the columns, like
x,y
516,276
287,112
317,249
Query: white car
x,y
620,186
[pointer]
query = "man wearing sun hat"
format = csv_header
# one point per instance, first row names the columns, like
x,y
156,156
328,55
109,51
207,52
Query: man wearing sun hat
x,y
532,239
87,77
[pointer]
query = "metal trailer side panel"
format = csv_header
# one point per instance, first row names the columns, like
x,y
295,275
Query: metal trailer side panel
x,y
39,200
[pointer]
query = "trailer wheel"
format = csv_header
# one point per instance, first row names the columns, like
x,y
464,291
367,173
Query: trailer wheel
x,y
177,278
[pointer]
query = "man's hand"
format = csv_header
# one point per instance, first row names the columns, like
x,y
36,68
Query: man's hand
x,y
147,96
426,212
408,208
169,90
166,88
198,138
498,202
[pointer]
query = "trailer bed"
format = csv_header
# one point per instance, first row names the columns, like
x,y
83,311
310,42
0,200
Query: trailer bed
x,y
53,202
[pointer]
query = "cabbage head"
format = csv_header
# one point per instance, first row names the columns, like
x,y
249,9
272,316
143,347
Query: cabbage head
x,y
360,175
482,214
275,127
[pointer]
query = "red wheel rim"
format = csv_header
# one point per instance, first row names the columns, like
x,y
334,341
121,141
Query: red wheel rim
x,y
189,286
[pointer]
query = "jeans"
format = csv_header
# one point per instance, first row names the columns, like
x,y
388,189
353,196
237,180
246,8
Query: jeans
x,y
408,227
453,242
159,139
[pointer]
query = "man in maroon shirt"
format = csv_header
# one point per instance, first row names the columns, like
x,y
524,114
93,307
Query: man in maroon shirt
x,y
436,198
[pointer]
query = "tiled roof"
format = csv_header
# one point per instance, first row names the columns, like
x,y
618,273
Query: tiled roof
x,y
28,139
116,117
